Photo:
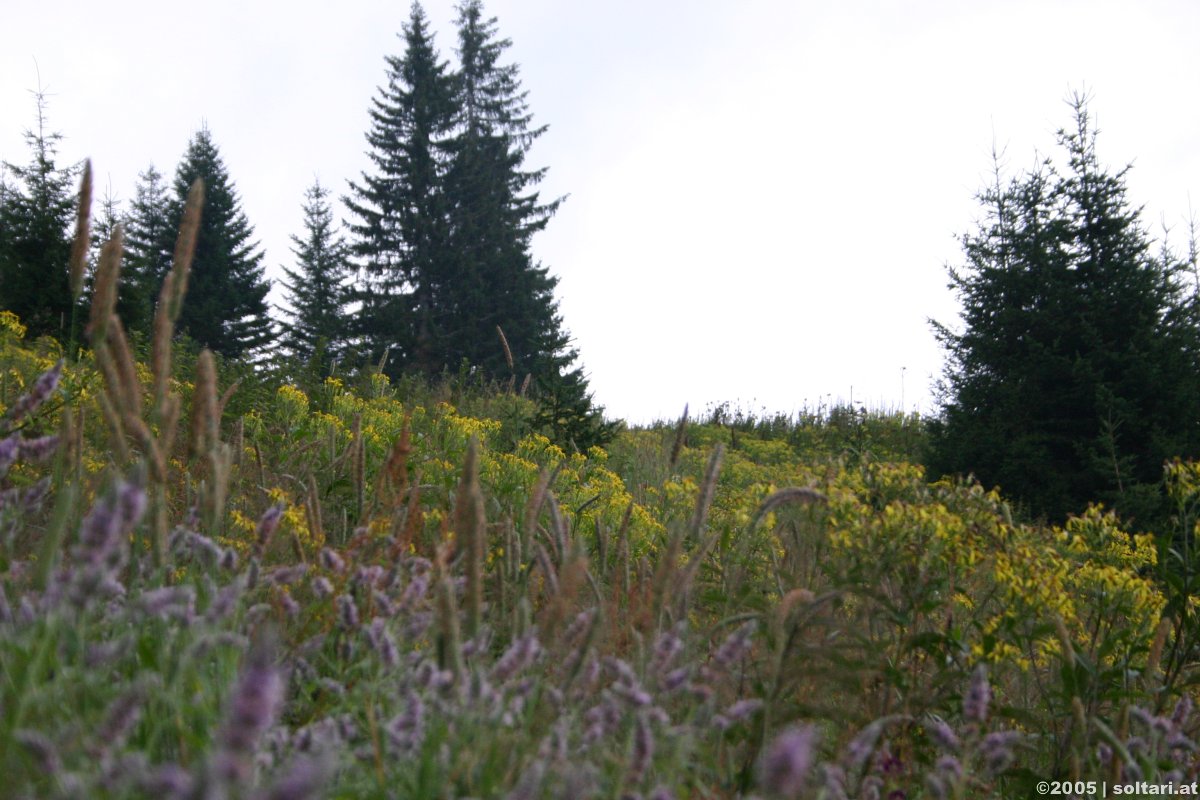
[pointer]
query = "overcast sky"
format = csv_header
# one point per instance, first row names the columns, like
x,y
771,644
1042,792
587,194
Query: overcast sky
x,y
764,195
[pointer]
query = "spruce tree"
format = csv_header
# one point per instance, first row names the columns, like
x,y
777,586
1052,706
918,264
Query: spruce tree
x,y
316,289
149,247
226,308
37,211
495,210
399,230
1075,374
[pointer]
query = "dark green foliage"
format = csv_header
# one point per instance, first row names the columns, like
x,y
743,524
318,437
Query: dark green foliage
x,y
37,212
1074,376
316,289
494,212
226,309
149,244
444,228
567,414
400,228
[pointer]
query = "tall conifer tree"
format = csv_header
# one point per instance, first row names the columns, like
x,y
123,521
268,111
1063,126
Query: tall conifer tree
x,y
149,245
37,211
400,221
1075,374
495,210
226,308
316,289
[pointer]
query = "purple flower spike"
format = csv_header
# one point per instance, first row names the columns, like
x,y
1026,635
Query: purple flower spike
x,y
347,612
267,524
9,448
643,749
406,732
169,602
331,561
786,764
736,646
43,387
943,735
519,656
303,781
255,704
979,694
39,449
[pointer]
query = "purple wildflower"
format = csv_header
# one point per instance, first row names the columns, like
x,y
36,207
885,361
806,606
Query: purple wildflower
x,y
9,448
256,701
381,642
169,602
1183,710
935,786
347,612
321,586
122,716
643,749
112,516
28,499
633,694
519,656
383,603
368,576
662,793
736,645
228,560
529,783
943,735
979,694
950,766
203,547
788,760
743,709
602,719
303,780
42,749
406,731
579,625
997,750
267,525
285,576
1142,715
833,779
666,647
862,746
676,678
170,781
43,387
871,787
290,606
102,542
331,561
418,623
39,449
224,603
415,592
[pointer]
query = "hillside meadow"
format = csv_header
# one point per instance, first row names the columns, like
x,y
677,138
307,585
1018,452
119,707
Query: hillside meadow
x,y
356,589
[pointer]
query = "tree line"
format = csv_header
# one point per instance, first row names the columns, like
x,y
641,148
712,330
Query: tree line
x,y
433,272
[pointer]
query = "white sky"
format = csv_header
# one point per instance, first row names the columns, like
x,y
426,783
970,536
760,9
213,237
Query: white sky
x,y
763,194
